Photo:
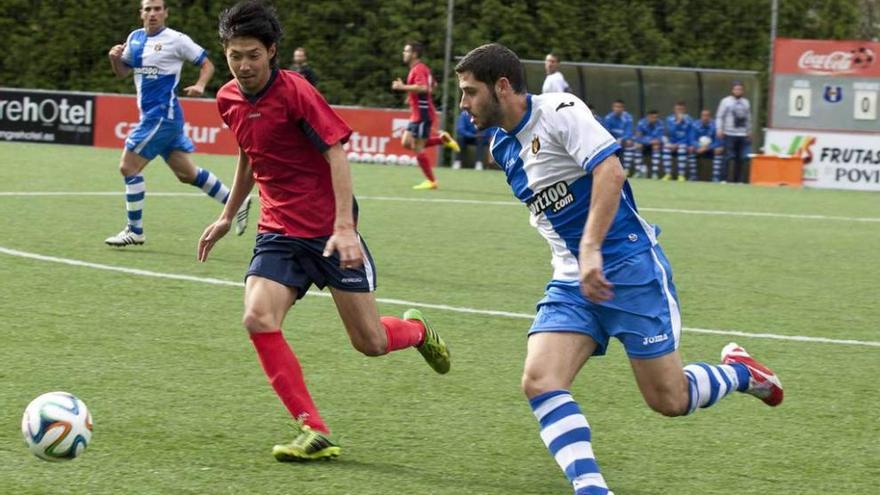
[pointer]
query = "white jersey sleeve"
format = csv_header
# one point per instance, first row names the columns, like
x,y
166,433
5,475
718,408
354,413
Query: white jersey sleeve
x,y
582,136
126,52
189,50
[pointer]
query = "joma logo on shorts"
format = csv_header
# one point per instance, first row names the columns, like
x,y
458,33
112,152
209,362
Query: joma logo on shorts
x,y
655,339
352,280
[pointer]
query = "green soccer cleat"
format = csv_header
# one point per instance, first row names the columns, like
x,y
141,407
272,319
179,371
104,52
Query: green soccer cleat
x,y
309,445
433,349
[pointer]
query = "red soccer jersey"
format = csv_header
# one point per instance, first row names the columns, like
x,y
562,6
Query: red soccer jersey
x,y
421,104
283,131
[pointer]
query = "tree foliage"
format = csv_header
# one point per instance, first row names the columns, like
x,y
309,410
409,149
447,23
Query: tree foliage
x,y
355,46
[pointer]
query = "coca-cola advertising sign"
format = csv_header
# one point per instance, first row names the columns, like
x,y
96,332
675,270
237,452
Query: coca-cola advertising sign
x,y
827,58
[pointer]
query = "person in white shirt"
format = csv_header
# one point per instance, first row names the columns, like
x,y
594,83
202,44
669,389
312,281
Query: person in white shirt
x,y
733,122
555,81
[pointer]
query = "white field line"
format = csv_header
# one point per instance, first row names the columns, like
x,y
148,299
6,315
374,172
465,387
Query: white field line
x,y
799,216
401,302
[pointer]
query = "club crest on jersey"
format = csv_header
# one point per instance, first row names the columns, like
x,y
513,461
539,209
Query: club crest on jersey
x,y
553,198
157,47
536,145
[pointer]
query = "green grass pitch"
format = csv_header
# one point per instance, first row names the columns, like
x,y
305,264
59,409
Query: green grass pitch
x,y
181,405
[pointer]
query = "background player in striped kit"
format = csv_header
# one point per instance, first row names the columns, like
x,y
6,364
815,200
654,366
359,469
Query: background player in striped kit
x,y
619,123
678,141
156,55
610,276
705,143
649,141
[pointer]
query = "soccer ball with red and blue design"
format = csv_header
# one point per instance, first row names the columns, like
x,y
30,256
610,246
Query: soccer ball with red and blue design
x,y
56,426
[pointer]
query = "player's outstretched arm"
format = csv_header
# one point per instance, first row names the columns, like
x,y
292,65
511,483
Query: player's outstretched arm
x,y
242,185
205,73
608,178
344,239
119,67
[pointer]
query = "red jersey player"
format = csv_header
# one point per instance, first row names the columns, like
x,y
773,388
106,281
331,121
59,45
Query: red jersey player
x,y
417,137
291,146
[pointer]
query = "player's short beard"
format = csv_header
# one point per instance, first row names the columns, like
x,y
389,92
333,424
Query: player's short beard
x,y
492,113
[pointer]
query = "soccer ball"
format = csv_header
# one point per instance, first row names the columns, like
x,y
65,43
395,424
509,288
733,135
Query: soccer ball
x,y
391,159
56,426
354,156
704,141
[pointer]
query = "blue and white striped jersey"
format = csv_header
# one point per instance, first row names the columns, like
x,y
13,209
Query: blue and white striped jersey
x,y
156,62
549,159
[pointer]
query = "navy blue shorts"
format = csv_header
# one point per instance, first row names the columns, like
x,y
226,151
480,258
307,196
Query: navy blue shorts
x,y
299,263
420,129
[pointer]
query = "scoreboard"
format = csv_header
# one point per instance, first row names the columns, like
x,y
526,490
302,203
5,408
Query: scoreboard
x,y
824,103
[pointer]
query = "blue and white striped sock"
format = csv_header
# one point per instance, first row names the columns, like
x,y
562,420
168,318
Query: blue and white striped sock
x,y
135,189
655,163
667,161
707,383
717,162
566,433
208,182
681,161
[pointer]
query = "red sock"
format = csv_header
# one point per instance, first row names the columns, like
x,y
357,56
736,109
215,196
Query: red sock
x,y
425,165
284,373
433,141
402,333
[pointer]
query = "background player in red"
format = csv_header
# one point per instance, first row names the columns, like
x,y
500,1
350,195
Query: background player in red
x,y
291,146
417,137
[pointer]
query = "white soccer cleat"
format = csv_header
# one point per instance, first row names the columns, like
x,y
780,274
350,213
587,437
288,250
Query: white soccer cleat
x,y
763,382
125,238
241,216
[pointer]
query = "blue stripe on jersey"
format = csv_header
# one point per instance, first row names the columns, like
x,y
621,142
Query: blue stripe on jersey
x,y
569,221
155,92
201,58
601,156
506,154
138,39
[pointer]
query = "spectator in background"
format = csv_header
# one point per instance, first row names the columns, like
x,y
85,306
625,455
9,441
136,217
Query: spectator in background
x,y
466,134
620,124
649,138
300,64
678,140
705,143
555,81
734,123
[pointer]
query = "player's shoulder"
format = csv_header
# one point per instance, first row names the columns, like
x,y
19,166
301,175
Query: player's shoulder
x,y
554,103
228,92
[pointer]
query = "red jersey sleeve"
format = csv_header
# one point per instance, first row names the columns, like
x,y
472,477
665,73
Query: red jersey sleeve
x,y
320,123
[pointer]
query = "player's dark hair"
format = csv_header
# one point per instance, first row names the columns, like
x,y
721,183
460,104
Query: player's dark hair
x,y
681,103
417,48
618,101
254,19
491,62
654,112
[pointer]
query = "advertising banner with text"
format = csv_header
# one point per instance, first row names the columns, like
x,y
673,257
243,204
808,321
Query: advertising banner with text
x,y
46,116
831,160
827,57
376,136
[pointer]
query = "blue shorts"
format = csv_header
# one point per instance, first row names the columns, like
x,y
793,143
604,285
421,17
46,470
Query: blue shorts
x,y
420,129
643,314
158,136
297,262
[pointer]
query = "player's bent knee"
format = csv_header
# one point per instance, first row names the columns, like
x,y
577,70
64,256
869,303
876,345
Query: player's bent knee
x,y
668,404
256,321
370,346
535,383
